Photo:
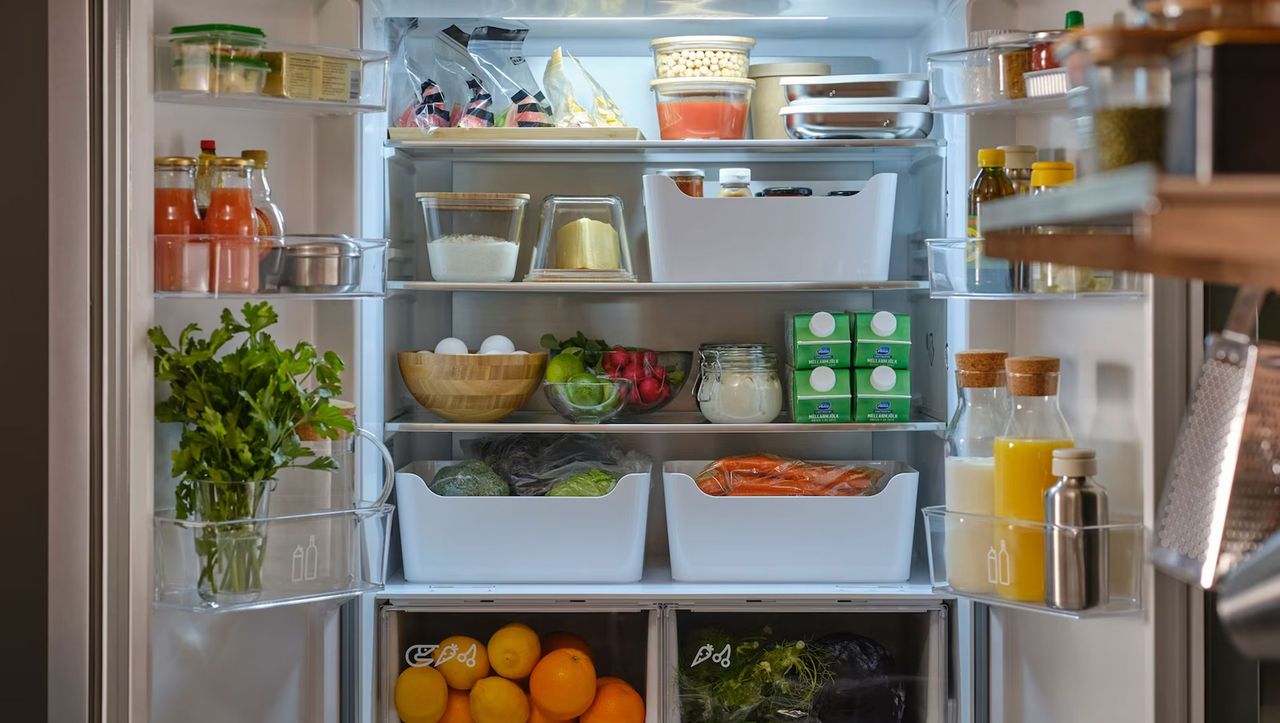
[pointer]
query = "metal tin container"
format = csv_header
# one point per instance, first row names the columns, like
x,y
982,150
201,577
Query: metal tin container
x,y
857,121
1220,120
880,88
321,265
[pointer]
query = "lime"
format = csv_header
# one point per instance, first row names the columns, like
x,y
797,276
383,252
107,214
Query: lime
x,y
585,390
563,366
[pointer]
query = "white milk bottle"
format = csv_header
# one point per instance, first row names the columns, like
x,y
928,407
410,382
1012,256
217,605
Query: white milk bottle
x,y
972,564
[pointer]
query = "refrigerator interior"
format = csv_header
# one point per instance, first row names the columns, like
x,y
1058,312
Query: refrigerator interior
x,y
332,174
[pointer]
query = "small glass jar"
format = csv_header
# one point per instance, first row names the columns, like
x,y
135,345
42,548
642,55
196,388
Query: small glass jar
x,y
1010,60
1042,57
688,180
735,183
738,384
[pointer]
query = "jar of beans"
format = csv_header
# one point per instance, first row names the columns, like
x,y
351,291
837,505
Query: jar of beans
x,y
702,56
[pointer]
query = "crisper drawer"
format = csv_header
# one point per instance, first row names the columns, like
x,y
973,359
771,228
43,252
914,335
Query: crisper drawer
x,y
819,238
790,539
520,539
818,664
526,644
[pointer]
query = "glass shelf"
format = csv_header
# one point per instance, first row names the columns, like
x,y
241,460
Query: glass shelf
x,y
958,270
418,420
294,558
278,267
649,287
639,151
968,81
969,557
268,75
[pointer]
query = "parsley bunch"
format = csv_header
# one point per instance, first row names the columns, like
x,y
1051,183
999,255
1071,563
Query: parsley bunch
x,y
240,410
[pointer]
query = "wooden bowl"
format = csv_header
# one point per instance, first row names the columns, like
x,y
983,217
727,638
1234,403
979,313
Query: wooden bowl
x,y
474,387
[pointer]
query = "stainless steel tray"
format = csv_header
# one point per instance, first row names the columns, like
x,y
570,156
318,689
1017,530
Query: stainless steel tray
x,y
857,121
882,88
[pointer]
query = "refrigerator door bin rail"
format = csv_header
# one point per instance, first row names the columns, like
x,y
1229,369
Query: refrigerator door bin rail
x,y
311,267
1002,561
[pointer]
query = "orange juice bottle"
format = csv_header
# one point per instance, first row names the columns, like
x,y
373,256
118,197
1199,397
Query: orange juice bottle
x,y
1024,470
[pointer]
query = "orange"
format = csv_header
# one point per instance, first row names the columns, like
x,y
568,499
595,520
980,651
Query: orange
x,y
606,680
561,639
514,650
498,700
462,661
537,716
420,695
458,708
563,683
615,702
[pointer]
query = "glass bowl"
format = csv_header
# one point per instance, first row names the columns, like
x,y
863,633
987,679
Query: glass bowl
x,y
669,369
581,238
473,237
588,401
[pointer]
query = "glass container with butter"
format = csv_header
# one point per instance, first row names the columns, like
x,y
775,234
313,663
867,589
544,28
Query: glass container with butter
x,y
582,238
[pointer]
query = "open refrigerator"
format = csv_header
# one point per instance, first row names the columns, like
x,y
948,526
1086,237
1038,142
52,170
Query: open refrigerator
x,y
335,655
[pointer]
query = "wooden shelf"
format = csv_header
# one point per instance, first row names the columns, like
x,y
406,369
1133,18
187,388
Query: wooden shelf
x,y
1225,230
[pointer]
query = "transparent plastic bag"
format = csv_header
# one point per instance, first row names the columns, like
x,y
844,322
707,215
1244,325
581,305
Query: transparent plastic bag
x,y
569,113
436,73
504,73
768,475
533,463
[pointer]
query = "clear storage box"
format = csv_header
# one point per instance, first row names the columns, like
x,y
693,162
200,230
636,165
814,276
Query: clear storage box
x,y
703,108
582,238
473,236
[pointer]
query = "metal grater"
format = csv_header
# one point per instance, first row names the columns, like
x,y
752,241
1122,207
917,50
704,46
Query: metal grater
x,y
1222,493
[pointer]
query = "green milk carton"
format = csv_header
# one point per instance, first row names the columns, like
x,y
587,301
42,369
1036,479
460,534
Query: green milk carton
x,y
881,338
882,394
821,339
821,396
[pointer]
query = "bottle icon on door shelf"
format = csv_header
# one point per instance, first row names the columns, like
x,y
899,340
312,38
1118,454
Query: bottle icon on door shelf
x,y
998,568
306,563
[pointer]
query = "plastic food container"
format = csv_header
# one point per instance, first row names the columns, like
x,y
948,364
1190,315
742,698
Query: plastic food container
x,y
702,108
770,96
582,238
473,237
196,42
702,56
221,74
546,534
718,539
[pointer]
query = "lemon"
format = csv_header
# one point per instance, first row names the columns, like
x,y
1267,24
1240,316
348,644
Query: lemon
x,y
462,661
563,366
421,694
514,650
498,700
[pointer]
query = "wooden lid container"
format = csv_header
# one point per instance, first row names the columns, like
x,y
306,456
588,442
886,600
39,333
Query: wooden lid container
x,y
1033,376
980,368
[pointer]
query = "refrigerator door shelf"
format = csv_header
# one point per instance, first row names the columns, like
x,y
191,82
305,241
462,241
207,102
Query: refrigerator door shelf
x,y
975,556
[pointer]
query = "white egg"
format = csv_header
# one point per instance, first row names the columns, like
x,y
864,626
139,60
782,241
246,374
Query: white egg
x,y
497,344
517,351
452,345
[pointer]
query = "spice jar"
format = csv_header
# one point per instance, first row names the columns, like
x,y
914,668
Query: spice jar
x,y
1011,59
688,180
738,384
735,183
1126,71
1018,161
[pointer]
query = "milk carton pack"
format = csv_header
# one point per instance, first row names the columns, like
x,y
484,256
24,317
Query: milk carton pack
x,y
881,338
821,396
820,339
882,394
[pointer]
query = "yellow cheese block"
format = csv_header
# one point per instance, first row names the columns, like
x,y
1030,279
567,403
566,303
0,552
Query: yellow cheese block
x,y
587,244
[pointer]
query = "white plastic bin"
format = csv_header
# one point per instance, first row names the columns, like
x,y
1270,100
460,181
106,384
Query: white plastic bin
x,y
790,539
520,539
815,238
